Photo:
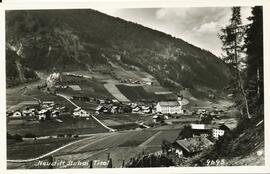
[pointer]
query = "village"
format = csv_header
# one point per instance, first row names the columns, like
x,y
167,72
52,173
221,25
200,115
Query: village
x,y
195,129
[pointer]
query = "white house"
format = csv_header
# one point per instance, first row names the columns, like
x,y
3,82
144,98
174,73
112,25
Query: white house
x,y
41,117
219,131
17,114
216,133
78,112
170,107
216,130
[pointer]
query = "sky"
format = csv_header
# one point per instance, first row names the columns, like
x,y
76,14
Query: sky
x,y
196,25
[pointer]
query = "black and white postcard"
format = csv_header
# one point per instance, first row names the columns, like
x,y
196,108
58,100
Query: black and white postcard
x,y
167,86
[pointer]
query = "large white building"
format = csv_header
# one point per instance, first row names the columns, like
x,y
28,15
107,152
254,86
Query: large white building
x,y
169,107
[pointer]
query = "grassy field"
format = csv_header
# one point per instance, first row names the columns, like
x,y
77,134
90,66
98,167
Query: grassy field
x,y
88,106
127,126
169,135
109,122
125,121
68,126
137,139
35,148
44,96
89,87
137,93
134,93
15,95
120,145
16,98
125,117
109,141
116,92
153,89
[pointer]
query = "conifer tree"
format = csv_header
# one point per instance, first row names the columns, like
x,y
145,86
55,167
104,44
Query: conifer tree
x,y
254,52
232,40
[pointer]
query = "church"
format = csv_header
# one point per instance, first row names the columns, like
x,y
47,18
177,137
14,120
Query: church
x,y
170,107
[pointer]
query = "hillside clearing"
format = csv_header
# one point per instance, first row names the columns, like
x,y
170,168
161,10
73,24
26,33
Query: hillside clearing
x,y
116,92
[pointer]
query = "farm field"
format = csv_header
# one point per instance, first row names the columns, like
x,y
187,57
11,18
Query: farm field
x,y
109,122
92,75
47,127
134,93
120,145
88,106
22,104
139,138
49,97
116,92
137,93
124,121
168,135
35,148
99,143
15,95
154,89
89,87
126,126
125,117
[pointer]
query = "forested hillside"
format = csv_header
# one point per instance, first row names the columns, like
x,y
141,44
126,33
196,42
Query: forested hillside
x,y
86,39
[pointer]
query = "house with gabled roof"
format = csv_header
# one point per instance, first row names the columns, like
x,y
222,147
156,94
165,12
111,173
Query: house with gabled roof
x,y
170,107
192,146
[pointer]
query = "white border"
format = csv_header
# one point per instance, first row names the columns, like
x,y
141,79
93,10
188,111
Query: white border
x,y
84,4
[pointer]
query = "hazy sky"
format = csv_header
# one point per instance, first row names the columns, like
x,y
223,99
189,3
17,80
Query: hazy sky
x,y
196,25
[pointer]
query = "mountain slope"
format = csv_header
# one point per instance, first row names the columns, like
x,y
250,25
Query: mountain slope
x,y
87,39
16,71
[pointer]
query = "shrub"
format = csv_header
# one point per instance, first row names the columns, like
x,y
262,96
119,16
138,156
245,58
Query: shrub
x,y
18,138
9,136
30,135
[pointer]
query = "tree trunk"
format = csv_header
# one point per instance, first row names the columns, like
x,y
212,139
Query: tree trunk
x,y
238,78
244,95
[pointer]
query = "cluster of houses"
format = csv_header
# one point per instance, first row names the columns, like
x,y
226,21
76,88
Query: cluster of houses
x,y
80,113
135,108
133,81
112,106
162,107
73,75
203,136
92,99
45,110
202,112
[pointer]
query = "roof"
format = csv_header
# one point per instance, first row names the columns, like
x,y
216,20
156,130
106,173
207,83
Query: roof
x,y
206,126
194,144
48,102
168,103
77,109
99,107
75,87
198,126
217,126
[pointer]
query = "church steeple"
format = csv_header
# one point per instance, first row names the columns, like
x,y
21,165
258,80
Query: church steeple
x,y
179,100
